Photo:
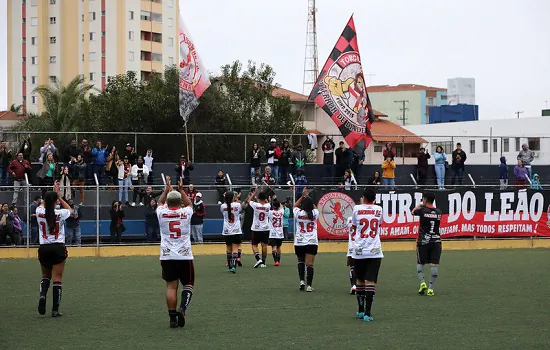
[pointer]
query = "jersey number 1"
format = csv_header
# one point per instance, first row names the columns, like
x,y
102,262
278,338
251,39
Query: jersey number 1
x,y
175,230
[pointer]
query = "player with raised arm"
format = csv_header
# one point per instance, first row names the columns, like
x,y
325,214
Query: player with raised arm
x,y
350,259
232,231
366,251
276,233
428,243
260,227
174,213
52,252
305,238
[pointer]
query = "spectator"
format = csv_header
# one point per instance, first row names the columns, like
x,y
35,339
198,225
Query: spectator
x,y
150,194
65,184
375,179
269,181
535,183
389,151
88,158
440,165
183,169
273,155
255,161
5,160
423,157
124,179
34,223
129,152
342,159
79,176
148,159
72,225
356,163
26,148
301,181
199,211
328,159
117,225
6,225
299,158
459,158
48,148
286,216
191,192
503,173
140,173
111,169
388,173
520,172
17,226
220,186
151,221
71,152
17,169
348,180
284,162
100,155
48,173
526,156
257,179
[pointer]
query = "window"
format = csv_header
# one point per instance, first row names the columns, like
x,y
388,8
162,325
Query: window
x,y
170,22
82,18
156,17
447,146
534,143
53,39
82,57
444,97
170,41
131,15
92,16
145,15
52,20
485,144
34,2
34,21
157,1
430,101
82,37
33,40
170,3
52,2
506,145
93,56
34,60
495,145
34,79
156,37
518,147
33,99
131,35
170,61
92,76
130,55
53,59
472,146
378,149
53,79
156,57
92,36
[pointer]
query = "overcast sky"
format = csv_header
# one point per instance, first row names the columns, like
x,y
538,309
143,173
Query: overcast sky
x,y
503,44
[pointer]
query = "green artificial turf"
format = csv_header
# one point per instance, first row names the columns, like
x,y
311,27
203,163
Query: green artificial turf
x,y
497,299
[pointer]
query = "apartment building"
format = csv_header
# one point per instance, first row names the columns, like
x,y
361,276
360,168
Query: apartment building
x,y
56,40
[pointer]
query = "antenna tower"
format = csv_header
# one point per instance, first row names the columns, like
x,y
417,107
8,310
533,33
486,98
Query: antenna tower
x,y
311,62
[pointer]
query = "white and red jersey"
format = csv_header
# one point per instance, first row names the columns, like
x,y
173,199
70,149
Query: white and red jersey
x,y
276,224
231,227
175,233
366,220
58,236
261,213
305,231
350,235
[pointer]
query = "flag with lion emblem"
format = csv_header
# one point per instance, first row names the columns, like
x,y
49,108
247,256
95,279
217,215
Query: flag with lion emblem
x,y
341,92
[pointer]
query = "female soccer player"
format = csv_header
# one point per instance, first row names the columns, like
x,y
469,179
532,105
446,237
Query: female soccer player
x,y
350,259
52,252
232,232
260,227
305,238
276,234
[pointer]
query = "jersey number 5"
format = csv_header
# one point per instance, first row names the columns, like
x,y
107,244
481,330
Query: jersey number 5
x,y
45,230
175,230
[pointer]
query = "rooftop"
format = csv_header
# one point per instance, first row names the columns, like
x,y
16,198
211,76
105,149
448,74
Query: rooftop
x,y
403,87
8,115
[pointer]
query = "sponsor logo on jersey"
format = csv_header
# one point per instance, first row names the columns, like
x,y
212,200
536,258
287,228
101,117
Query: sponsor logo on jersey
x,y
334,208
165,251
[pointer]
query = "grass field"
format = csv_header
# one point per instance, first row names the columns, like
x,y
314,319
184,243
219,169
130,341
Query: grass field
x,y
497,299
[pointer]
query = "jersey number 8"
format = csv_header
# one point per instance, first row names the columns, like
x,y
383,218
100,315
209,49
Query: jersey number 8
x,y
175,230
261,216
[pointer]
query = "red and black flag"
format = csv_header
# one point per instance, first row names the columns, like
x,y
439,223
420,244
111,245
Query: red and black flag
x,y
341,92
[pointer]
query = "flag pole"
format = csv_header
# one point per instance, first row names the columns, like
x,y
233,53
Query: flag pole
x,y
187,142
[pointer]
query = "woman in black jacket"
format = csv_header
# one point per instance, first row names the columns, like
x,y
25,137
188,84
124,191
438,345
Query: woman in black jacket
x,y
117,226
151,221
255,160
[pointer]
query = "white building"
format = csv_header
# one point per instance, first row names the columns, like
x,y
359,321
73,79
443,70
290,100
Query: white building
x,y
485,141
461,91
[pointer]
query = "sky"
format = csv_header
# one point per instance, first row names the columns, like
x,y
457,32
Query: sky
x,y
503,44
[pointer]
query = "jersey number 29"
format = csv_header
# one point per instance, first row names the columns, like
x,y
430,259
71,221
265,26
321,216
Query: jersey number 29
x,y
366,224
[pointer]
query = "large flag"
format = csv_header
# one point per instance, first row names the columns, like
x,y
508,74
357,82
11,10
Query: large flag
x,y
341,92
194,78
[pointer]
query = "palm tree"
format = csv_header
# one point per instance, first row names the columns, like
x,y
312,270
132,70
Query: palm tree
x,y
17,109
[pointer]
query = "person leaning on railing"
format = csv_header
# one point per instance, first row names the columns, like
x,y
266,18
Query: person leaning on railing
x,y
17,169
48,173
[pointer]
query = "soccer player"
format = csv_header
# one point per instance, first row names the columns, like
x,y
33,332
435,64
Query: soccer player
x,y
276,234
366,251
305,238
174,213
428,243
232,232
260,227
350,259
52,252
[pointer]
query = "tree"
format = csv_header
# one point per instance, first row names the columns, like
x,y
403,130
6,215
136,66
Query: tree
x,y
17,109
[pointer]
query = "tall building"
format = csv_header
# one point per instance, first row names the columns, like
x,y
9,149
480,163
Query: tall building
x,y
57,40
461,91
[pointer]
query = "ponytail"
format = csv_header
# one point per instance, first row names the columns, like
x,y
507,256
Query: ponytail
x,y
50,201
229,195
307,206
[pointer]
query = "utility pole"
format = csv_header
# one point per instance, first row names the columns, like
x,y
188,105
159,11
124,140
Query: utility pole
x,y
404,110
369,77
518,113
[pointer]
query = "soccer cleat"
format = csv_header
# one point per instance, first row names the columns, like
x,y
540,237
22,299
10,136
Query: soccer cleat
x,y
430,293
239,263
56,314
422,288
42,305
360,315
258,263
228,269
263,266
352,290
302,285
133,204
368,318
276,263
309,289
233,270
181,318
174,323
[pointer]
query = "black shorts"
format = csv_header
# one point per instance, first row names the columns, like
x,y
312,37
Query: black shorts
x,y
275,242
183,270
233,239
367,269
350,261
428,253
260,237
301,250
52,254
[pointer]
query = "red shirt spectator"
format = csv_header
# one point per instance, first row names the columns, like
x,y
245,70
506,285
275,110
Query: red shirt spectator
x,y
19,167
389,151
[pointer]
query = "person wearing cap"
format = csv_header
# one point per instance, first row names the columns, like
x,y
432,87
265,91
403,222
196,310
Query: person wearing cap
x,y
199,211
140,173
273,155
129,152
183,169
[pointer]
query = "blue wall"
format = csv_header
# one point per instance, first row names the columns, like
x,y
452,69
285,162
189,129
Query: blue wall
x,y
456,113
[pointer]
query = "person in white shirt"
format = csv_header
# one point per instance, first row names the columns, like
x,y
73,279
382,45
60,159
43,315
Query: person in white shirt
x,y
260,227
276,234
366,251
52,252
232,231
148,159
140,174
305,238
174,213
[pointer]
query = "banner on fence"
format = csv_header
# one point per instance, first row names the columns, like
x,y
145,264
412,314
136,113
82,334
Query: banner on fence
x,y
466,213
